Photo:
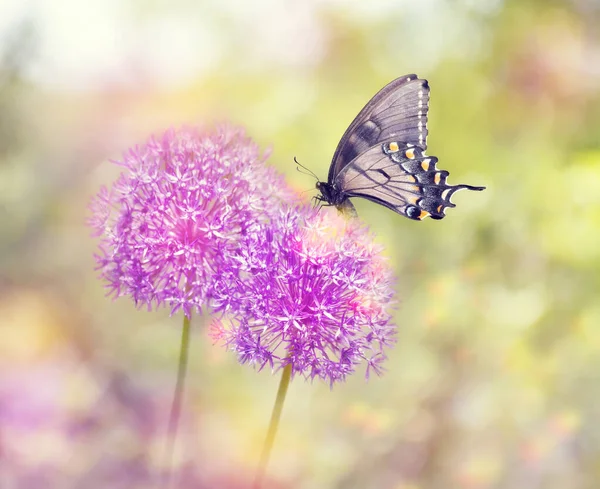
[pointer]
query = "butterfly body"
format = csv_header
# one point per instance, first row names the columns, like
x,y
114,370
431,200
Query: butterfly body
x,y
381,156
331,194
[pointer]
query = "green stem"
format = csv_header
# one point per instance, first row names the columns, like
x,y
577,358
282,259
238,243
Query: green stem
x,y
177,400
273,425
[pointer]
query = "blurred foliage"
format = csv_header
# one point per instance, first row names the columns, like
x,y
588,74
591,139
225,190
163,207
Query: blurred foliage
x,y
494,382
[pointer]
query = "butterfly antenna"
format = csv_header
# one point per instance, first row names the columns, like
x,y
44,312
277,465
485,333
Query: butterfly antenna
x,y
307,171
303,172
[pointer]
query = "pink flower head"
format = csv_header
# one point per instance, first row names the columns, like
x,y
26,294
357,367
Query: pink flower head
x,y
315,293
180,208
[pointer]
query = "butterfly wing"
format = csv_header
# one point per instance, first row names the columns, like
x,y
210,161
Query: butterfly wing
x,y
397,112
401,177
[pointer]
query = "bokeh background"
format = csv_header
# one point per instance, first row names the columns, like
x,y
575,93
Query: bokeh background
x,y
495,380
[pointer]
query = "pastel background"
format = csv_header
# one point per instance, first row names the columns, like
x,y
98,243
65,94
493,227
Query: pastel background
x,y
495,380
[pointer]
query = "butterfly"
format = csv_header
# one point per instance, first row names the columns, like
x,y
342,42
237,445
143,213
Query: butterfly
x,y
381,157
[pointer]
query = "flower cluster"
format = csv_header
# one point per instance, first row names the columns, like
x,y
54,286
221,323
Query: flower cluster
x,y
182,204
315,293
199,220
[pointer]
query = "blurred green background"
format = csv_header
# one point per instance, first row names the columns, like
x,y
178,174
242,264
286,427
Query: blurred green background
x,y
495,380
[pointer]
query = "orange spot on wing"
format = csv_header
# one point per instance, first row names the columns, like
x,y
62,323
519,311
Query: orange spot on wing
x,y
413,199
437,179
410,153
425,165
394,147
423,214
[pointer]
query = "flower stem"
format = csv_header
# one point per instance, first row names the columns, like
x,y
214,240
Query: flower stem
x,y
177,400
273,425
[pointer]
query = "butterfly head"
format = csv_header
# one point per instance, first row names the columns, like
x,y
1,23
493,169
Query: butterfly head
x,y
328,192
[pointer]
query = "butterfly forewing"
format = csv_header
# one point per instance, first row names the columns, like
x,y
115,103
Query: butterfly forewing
x,y
398,111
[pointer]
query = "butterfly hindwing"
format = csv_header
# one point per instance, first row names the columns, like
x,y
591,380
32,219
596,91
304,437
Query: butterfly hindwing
x,y
401,177
398,111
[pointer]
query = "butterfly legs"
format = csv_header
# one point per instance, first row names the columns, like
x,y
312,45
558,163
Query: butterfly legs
x,y
346,208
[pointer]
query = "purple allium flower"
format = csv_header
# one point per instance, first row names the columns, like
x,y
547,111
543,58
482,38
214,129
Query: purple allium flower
x,y
315,293
178,211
